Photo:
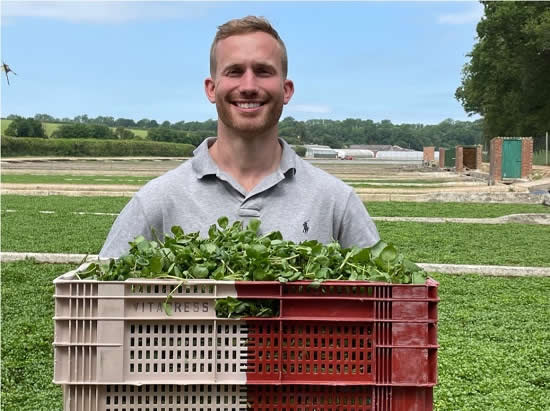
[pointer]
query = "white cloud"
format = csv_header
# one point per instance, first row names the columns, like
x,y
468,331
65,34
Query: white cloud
x,y
473,15
310,108
102,11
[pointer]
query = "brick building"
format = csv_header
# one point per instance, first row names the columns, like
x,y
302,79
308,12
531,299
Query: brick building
x,y
511,157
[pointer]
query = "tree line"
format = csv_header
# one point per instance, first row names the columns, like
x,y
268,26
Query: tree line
x,y
507,77
334,133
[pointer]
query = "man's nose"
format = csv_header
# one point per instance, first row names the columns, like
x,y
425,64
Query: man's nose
x,y
249,84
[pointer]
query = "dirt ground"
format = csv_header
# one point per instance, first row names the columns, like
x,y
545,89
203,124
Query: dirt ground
x,y
466,182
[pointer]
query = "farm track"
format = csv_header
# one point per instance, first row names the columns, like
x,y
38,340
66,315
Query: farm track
x,y
444,186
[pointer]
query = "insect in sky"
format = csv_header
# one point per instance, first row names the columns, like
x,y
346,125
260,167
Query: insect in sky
x,y
6,69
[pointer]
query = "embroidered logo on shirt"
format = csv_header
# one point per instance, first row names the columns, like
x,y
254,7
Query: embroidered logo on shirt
x,y
306,227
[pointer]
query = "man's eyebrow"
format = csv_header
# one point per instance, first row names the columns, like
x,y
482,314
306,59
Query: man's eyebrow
x,y
265,66
232,66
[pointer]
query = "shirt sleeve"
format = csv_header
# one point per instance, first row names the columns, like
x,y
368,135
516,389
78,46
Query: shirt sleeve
x,y
357,227
131,222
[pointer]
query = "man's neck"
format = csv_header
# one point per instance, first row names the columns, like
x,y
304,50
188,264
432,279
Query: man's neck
x,y
247,160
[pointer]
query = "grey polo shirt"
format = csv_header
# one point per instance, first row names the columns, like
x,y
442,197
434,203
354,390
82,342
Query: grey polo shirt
x,y
301,201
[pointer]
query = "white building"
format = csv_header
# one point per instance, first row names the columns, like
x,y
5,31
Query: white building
x,y
318,151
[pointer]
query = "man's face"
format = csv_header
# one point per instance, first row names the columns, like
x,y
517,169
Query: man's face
x,y
248,87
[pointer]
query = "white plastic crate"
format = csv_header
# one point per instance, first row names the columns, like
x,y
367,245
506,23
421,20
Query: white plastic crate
x,y
118,332
154,398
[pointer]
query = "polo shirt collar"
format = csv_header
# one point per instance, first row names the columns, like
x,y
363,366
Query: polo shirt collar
x,y
204,165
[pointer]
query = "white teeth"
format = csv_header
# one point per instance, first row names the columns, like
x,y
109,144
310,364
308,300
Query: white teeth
x,y
248,105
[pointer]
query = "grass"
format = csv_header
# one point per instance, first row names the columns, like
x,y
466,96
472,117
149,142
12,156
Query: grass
x,y
64,204
458,210
71,179
493,335
49,128
28,230
450,243
453,243
387,209
27,336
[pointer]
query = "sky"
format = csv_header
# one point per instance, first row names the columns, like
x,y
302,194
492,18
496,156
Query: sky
x,y
398,61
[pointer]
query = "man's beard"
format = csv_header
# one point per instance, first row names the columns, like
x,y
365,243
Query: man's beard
x,y
250,126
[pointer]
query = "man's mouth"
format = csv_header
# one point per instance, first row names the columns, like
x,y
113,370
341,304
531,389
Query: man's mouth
x,y
248,105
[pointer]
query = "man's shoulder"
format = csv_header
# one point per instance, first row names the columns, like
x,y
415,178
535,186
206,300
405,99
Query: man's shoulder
x,y
177,176
308,173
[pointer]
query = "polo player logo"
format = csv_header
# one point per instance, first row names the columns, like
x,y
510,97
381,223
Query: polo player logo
x,y
306,227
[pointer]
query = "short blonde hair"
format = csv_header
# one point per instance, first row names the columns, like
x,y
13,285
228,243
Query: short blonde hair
x,y
248,24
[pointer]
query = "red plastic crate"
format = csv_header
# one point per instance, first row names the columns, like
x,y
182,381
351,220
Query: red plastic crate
x,y
345,333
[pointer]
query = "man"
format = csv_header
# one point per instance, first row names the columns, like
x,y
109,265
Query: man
x,y
247,171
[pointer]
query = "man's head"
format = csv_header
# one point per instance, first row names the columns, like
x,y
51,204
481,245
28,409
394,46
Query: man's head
x,y
248,81
249,24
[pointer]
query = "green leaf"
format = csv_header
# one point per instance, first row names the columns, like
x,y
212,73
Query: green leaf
x,y
362,256
199,271
256,251
223,222
377,248
156,264
212,231
177,231
209,248
419,277
254,225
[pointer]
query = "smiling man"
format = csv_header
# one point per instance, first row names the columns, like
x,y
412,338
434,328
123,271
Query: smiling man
x,y
246,171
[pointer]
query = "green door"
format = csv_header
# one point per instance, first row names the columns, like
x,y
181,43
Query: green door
x,y
511,158
449,157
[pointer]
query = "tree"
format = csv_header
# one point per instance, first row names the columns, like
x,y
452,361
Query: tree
x,y
143,123
124,122
507,79
78,130
45,118
124,134
25,127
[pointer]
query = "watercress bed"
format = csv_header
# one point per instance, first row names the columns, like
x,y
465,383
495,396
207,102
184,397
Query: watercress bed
x,y
238,253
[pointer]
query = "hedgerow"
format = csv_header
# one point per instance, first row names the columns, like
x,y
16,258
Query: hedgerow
x,y
17,147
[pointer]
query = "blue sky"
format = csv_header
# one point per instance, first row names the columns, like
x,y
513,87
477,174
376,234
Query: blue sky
x,y
400,61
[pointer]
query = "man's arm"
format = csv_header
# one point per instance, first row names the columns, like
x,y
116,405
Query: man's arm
x,y
131,222
357,228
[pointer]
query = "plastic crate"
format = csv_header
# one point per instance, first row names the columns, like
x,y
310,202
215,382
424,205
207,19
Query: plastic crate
x,y
352,333
239,397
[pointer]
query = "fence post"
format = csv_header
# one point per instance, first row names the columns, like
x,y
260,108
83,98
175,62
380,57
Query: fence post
x,y
546,162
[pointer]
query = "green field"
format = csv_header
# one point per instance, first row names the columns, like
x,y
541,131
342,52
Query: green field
x,y
451,243
49,128
376,208
493,335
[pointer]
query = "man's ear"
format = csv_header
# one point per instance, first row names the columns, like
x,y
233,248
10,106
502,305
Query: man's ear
x,y
209,88
288,89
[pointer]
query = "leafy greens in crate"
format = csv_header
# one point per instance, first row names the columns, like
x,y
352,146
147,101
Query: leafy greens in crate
x,y
238,253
